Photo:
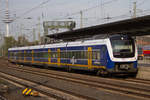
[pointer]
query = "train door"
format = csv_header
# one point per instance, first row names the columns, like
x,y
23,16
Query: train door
x,y
49,56
67,58
89,57
64,57
58,57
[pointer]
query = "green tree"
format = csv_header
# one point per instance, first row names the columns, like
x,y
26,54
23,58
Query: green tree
x,y
8,43
22,41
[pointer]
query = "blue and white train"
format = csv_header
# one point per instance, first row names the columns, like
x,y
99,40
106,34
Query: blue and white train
x,y
114,54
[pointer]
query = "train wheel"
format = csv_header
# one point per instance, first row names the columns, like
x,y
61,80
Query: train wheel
x,y
133,75
46,67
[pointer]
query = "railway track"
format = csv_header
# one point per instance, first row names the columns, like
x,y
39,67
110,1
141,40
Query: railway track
x,y
125,87
46,90
141,81
88,78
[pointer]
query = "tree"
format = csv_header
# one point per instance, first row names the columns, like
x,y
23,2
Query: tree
x,y
22,41
8,43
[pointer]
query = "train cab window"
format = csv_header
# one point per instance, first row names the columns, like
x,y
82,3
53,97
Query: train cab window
x,y
123,46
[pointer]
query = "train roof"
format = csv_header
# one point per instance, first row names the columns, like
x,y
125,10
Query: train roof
x,y
57,45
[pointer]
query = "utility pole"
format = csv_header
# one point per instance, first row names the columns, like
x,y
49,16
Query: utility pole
x,y
39,34
134,13
21,34
134,9
101,9
81,19
34,35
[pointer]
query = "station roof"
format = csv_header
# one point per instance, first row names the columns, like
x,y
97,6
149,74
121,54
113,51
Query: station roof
x,y
136,27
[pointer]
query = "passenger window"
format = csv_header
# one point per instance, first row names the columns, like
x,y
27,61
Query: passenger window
x,y
82,55
45,55
96,55
63,54
53,54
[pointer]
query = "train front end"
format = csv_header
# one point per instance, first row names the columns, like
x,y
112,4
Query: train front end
x,y
122,53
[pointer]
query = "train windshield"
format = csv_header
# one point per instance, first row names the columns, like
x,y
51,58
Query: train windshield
x,y
123,47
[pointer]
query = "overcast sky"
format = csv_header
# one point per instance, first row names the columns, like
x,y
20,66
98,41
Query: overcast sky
x,y
94,12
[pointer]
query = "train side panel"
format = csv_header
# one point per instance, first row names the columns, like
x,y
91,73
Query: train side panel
x,y
79,57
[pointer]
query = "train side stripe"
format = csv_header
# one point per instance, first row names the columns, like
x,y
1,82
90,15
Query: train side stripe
x,y
89,57
65,64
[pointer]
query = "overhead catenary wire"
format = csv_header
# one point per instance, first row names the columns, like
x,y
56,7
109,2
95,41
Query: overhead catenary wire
x,y
125,15
36,7
114,17
85,10
141,3
32,9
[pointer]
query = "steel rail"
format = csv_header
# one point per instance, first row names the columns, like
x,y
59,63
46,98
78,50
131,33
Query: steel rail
x,y
119,88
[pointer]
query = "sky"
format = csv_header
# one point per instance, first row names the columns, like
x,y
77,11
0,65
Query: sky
x,y
28,14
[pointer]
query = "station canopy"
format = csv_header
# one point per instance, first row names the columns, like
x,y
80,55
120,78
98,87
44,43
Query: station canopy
x,y
135,27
